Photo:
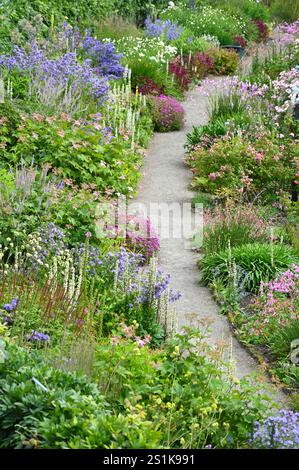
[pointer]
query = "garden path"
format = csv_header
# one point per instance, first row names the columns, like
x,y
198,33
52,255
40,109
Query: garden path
x,y
166,180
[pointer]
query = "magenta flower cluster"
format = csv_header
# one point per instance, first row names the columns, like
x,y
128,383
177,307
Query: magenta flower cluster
x,y
168,113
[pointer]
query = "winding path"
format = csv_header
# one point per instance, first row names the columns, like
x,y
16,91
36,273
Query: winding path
x,y
166,179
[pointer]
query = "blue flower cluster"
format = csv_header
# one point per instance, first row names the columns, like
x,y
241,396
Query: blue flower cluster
x,y
166,29
51,242
161,285
93,258
9,311
106,62
277,432
132,262
38,336
64,71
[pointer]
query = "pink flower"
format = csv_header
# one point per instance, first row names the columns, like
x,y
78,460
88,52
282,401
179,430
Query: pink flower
x,y
114,340
140,342
212,176
88,234
128,331
258,157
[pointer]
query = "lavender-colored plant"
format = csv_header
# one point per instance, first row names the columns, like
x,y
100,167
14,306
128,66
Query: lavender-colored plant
x,y
277,432
60,83
166,29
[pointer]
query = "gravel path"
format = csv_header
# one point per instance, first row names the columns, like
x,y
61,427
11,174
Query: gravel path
x,y
166,180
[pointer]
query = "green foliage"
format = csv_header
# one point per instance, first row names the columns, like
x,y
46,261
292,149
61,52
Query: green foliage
x,y
197,44
238,165
225,62
268,67
224,25
205,135
145,68
30,199
280,340
235,225
248,264
147,399
76,150
27,17
285,10
24,405
203,198
254,10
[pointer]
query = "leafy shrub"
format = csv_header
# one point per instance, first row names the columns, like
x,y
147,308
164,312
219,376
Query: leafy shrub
x,y
203,198
152,70
55,409
248,265
64,396
30,199
185,364
225,61
168,114
205,135
201,64
237,165
84,152
250,8
189,43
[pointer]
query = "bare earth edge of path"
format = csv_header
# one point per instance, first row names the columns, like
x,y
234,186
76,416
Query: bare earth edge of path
x,y
166,180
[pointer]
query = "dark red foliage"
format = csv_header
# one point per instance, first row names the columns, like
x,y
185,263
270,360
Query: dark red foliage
x,y
147,86
181,73
201,64
262,28
240,41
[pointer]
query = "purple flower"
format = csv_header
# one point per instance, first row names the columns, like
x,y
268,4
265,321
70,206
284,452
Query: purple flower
x,y
167,29
38,336
277,432
10,307
60,79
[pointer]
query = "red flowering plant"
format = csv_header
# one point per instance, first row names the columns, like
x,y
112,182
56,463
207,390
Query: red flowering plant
x,y
178,68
